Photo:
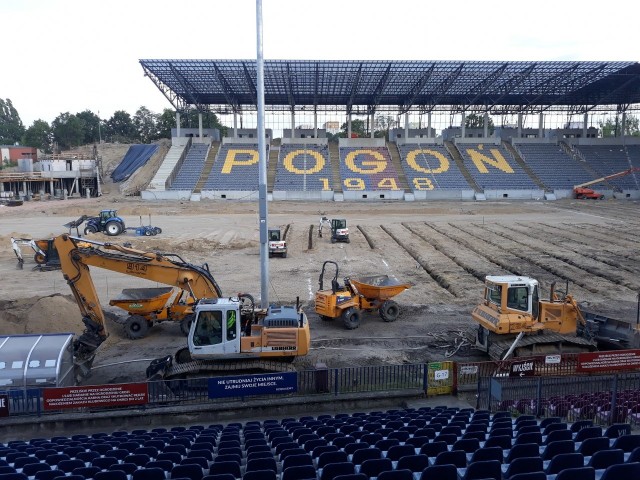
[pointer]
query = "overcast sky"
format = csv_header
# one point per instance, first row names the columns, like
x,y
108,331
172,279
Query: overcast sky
x,y
72,55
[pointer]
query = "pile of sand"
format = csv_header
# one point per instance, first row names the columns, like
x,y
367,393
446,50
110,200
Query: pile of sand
x,y
53,314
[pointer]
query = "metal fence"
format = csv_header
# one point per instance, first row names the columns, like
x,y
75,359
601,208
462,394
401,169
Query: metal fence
x,y
604,399
330,382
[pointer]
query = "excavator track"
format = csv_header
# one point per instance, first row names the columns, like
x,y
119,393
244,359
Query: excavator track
x,y
180,370
538,344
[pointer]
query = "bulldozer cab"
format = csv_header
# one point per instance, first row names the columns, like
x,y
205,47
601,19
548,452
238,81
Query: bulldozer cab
x,y
512,294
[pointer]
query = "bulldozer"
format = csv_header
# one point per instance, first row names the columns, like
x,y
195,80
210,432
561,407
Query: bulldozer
x,y
514,321
349,300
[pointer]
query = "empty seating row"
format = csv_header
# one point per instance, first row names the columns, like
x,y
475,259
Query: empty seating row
x,y
492,166
553,166
191,167
607,160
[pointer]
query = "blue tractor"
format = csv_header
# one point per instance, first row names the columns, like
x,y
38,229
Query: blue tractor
x,y
108,222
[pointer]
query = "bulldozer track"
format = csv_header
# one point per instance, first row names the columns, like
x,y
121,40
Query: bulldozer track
x,y
538,344
200,366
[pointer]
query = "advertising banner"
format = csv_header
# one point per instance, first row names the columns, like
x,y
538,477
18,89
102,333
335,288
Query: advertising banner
x,y
96,396
246,385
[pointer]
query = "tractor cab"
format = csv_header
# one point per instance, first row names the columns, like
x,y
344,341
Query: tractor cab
x,y
339,230
277,246
105,215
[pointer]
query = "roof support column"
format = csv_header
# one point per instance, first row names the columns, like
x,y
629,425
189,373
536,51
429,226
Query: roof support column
x,y
293,124
406,125
372,129
177,123
540,124
315,122
624,126
200,125
349,126
519,125
464,127
585,123
235,124
486,125
429,133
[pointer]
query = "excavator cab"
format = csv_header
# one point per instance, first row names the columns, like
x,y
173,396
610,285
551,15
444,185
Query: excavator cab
x,y
215,332
339,230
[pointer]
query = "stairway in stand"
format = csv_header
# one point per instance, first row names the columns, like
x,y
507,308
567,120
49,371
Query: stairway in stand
x,y
334,154
272,167
397,164
208,165
455,154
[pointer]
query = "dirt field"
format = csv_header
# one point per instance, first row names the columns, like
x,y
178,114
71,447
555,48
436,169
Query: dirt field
x,y
444,248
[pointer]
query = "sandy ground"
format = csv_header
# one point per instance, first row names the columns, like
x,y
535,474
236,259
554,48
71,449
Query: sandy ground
x,y
443,248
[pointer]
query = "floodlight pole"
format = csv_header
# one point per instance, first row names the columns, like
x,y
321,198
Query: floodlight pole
x,y
262,164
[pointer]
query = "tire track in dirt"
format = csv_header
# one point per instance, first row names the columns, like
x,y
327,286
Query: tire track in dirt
x,y
578,271
439,267
603,235
597,253
547,269
372,244
623,234
461,257
577,258
506,267
603,211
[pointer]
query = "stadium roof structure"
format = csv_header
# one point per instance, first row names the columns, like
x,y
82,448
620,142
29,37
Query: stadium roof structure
x,y
366,86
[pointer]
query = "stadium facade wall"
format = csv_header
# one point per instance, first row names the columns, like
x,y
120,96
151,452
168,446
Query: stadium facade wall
x,y
420,134
322,195
369,195
230,195
444,194
303,134
514,194
165,194
305,141
361,142
477,140
247,135
420,141
604,141
208,134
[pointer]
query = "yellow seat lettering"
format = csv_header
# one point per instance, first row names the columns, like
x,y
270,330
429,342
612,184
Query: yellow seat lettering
x,y
411,160
354,183
231,161
376,165
388,183
318,159
421,183
498,161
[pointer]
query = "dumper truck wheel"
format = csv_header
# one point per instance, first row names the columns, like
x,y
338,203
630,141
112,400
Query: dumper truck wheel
x,y
136,327
389,311
351,318
185,324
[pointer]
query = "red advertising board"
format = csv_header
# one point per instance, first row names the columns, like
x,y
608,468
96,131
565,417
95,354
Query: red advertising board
x,y
96,396
606,361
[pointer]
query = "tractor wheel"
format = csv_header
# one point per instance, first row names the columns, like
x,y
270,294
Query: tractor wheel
x,y
351,318
158,230
112,229
148,232
90,229
389,311
185,324
136,327
40,259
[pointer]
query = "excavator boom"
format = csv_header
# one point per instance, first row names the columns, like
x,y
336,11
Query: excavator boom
x,y
608,177
77,255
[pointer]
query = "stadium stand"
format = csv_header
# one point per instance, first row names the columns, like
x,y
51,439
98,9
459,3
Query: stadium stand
x,y
303,167
553,166
367,168
394,444
607,160
235,168
191,167
430,167
493,167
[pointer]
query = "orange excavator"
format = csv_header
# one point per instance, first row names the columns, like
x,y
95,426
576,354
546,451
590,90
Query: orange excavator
x,y
226,333
582,192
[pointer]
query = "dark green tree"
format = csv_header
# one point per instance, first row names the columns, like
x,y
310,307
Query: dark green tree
x,y
612,127
39,135
474,120
209,120
11,127
68,131
91,126
166,121
120,128
357,127
146,123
